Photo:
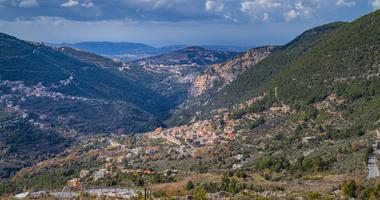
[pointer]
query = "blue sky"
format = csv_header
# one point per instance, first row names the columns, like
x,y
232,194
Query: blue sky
x,y
168,22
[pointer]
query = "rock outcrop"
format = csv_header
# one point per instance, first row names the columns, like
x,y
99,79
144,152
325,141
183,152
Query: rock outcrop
x,y
222,74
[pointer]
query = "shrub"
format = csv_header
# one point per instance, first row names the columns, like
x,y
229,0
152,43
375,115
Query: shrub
x,y
256,123
275,163
349,188
199,194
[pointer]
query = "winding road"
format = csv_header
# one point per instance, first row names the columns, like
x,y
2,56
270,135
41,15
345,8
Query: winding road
x,y
373,170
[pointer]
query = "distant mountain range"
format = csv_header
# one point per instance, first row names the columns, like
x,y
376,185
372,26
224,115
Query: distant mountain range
x,y
129,51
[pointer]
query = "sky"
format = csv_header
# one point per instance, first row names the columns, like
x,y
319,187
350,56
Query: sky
x,y
169,22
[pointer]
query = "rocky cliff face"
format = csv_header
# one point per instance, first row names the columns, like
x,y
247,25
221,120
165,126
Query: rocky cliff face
x,y
222,74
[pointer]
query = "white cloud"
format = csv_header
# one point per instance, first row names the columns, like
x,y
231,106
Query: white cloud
x,y
242,11
251,6
210,5
28,4
376,4
345,3
299,6
88,4
261,10
299,10
279,10
70,3
246,6
214,6
291,15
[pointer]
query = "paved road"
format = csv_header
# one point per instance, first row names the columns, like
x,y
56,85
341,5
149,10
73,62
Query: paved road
x,y
373,169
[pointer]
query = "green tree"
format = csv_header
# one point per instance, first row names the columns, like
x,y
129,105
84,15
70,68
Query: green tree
x,y
190,185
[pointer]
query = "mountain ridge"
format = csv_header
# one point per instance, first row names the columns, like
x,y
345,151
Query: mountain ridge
x,y
129,51
255,75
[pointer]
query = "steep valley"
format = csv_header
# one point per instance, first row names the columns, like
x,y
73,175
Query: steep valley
x,y
72,94
297,121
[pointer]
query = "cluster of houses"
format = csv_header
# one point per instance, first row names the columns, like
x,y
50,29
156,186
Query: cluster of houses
x,y
181,73
118,154
198,134
19,92
183,140
40,90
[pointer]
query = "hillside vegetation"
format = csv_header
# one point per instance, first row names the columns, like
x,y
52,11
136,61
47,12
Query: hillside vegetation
x,y
37,63
254,81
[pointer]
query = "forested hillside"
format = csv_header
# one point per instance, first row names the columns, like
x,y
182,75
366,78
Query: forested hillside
x,y
253,81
